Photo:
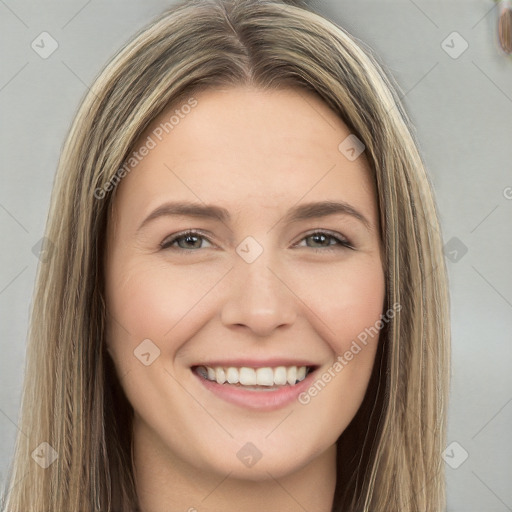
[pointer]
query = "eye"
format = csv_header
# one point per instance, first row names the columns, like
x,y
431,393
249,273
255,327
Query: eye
x,y
322,240
191,240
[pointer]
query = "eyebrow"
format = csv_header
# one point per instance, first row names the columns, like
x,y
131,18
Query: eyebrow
x,y
301,212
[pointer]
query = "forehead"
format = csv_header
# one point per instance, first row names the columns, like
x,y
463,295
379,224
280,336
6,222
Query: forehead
x,y
246,146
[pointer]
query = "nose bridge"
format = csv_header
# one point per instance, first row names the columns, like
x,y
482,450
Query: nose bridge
x,y
257,297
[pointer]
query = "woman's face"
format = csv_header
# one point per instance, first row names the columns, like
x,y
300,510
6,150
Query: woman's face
x,y
272,280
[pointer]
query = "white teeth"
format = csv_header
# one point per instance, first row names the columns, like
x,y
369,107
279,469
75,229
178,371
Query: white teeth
x,y
220,375
245,376
232,375
280,376
265,376
291,375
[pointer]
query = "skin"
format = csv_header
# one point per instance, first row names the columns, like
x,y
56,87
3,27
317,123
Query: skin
x,y
257,154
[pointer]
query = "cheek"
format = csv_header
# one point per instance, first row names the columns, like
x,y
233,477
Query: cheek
x,y
347,302
150,301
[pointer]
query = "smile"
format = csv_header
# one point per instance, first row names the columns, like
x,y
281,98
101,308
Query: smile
x,y
255,377
260,388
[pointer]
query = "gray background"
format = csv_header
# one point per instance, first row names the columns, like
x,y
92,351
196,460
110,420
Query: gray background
x,y
461,108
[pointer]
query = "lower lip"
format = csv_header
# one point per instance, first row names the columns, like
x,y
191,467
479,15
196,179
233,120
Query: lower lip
x,y
253,399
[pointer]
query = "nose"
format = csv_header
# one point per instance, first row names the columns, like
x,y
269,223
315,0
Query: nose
x,y
259,298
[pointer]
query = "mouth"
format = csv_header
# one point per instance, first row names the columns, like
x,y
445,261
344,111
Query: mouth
x,y
254,379
258,385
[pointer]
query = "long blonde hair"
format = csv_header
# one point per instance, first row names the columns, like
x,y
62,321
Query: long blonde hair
x,y
389,458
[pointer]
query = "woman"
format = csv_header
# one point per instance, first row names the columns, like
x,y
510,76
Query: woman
x,y
195,344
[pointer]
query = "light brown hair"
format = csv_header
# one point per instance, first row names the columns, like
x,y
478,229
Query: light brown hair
x,y
389,458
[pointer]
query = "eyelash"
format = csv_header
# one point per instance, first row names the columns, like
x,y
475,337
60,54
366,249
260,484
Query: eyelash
x,y
343,243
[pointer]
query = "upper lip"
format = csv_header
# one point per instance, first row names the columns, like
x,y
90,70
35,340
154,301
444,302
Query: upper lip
x,y
256,363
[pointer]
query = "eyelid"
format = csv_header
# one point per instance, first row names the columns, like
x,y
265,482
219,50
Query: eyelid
x,y
172,238
343,241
